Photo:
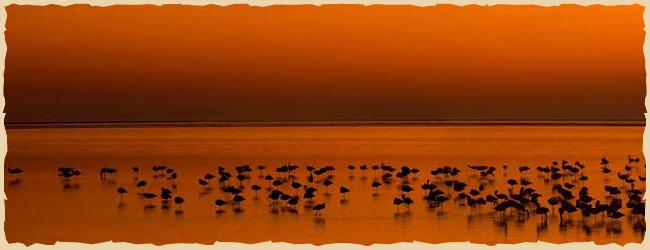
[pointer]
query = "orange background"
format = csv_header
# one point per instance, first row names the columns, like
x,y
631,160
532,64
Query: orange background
x,y
336,62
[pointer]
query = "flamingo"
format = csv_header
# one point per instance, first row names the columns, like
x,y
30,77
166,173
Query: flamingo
x,y
179,202
256,188
237,199
397,202
317,209
122,191
375,185
220,203
15,171
149,197
343,190
141,185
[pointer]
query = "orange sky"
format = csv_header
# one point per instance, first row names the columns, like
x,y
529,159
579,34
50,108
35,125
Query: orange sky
x,y
239,63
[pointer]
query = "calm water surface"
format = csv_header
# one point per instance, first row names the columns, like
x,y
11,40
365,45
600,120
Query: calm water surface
x,y
40,210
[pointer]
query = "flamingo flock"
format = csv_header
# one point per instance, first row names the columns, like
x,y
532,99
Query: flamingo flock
x,y
514,199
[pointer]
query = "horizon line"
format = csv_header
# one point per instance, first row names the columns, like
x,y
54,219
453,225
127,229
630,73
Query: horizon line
x,y
144,124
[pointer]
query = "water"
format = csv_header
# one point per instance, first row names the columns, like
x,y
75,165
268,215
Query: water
x,y
40,210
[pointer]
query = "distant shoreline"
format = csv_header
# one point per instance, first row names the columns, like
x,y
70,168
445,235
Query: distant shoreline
x,y
318,124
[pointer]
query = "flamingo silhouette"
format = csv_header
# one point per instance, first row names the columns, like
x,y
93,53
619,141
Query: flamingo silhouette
x,y
261,169
204,184
15,171
363,169
255,188
269,179
165,195
292,202
149,197
375,185
220,203
343,190
543,211
553,201
317,209
327,183
351,168
136,171
397,202
122,191
179,203
141,185
237,199
296,186
407,201
406,189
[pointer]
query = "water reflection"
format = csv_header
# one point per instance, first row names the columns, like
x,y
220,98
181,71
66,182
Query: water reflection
x,y
70,187
15,182
459,205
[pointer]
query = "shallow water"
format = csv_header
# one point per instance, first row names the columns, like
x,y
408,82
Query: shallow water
x,y
40,210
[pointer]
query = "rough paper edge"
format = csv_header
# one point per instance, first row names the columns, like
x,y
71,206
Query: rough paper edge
x,y
275,245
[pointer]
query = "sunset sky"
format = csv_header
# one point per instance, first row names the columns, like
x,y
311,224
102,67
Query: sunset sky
x,y
302,63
